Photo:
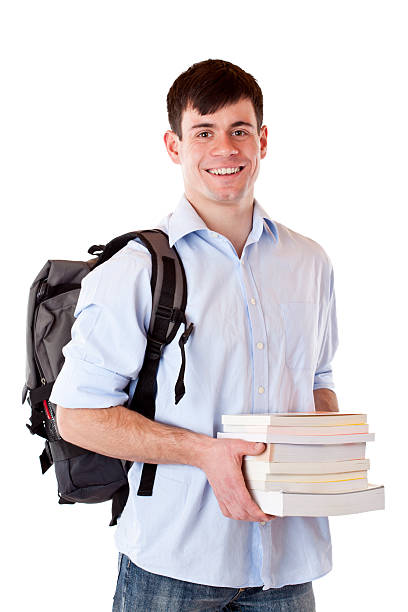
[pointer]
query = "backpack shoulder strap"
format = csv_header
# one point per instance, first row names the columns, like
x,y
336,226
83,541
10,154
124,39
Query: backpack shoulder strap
x,y
169,292
169,298
169,286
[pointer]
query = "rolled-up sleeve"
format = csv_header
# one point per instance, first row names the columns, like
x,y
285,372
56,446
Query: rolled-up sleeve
x,y
328,343
108,338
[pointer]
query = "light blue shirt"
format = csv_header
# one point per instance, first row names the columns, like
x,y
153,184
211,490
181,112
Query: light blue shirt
x,y
264,337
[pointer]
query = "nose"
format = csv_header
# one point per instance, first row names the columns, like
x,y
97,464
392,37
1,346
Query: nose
x,y
224,145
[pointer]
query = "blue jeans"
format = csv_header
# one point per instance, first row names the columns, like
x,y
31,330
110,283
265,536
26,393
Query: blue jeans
x,y
140,591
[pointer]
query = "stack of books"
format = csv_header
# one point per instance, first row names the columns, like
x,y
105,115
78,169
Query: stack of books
x,y
314,463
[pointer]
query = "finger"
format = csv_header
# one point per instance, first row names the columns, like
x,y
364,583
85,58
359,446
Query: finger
x,y
252,507
247,503
224,509
255,448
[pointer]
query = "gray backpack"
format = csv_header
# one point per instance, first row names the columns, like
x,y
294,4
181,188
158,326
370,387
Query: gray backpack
x,y
82,475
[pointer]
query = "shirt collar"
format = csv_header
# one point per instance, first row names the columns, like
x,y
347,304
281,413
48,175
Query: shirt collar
x,y
186,220
262,221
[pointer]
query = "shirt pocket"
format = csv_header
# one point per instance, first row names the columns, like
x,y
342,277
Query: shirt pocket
x,y
300,325
162,516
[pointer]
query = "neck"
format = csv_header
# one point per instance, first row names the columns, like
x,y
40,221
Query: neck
x,y
232,220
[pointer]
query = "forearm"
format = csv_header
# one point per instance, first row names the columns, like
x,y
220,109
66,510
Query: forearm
x,y
325,400
125,434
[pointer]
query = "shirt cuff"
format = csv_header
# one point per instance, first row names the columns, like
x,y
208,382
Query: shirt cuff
x,y
324,380
81,384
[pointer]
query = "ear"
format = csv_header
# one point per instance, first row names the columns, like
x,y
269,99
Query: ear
x,y
171,140
263,140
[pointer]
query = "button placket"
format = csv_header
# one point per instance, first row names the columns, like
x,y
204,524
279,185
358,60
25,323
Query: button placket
x,y
259,356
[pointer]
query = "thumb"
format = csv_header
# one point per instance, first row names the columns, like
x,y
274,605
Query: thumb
x,y
256,449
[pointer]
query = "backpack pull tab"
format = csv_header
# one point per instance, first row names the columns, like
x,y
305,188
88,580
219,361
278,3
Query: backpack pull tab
x,y
180,388
96,249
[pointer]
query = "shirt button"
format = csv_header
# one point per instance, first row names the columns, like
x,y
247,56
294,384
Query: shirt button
x,y
261,390
262,523
259,345
253,301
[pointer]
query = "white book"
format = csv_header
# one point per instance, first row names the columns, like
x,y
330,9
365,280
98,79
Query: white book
x,y
297,431
309,452
287,439
341,476
309,487
318,467
304,419
281,503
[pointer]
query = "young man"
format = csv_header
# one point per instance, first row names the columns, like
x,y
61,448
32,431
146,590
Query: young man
x,y
262,300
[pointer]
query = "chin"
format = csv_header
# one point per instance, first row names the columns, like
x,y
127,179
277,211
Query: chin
x,y
227,196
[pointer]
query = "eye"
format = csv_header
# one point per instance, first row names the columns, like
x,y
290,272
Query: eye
x,y
241,132
201,134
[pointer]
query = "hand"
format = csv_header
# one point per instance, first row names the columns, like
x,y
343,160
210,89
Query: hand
x,y
222,464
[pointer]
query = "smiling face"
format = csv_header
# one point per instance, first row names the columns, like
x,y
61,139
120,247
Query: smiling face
x,y
219,154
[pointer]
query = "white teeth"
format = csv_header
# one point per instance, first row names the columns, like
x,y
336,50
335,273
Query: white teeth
x,y
224,170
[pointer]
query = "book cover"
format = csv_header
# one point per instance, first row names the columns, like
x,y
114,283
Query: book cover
x,y
292,419
282,503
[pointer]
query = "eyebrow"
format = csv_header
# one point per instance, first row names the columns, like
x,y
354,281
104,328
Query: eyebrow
x,y
210,125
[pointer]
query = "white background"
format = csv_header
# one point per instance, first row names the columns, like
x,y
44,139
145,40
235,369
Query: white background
x,y
83,114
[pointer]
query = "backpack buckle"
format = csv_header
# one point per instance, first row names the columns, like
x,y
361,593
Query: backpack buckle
x,y
154,347
165,312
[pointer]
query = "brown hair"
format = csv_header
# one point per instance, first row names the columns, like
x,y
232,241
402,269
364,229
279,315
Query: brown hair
x,y
208,86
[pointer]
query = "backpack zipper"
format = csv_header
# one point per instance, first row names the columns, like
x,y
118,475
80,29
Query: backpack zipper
x,y
50,423
36,359
39,298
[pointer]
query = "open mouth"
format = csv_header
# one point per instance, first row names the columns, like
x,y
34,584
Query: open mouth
x,y
225,171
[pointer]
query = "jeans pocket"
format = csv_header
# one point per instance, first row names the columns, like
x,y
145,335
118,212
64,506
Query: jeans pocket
x,y
120,557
